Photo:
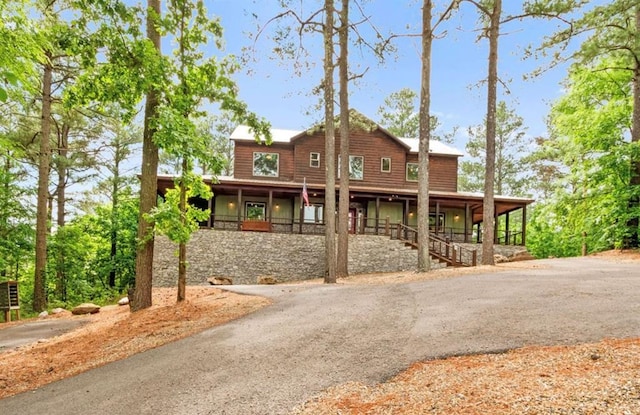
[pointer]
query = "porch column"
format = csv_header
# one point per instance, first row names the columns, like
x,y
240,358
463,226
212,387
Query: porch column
x,y
270,210
524,225
301,215
239,207
496,219
406,212
467,221
507,235
211,212
437,217
377,213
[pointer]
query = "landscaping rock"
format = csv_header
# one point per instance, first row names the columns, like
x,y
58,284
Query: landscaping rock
x,y
44,314
86,308
123,301
220,281
267,280
499,259
521,256
57,310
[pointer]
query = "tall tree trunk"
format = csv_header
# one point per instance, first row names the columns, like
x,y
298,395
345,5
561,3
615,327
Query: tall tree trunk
x,y
424,262
182,247
343,204
490,163
42,214
148,181
329,148
61,193
634,203
114,220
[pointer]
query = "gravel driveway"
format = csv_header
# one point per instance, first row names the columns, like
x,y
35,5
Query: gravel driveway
x,y
316,336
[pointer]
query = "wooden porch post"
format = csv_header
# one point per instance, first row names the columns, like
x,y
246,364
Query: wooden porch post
x,y
466,222
211,212
406,212
507,235
270,210
377,213
239,209
437,217
301,219
496,219
524,225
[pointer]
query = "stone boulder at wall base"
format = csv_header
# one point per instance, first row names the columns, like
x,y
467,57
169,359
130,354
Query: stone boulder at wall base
x,y
220,281
267,280
86,308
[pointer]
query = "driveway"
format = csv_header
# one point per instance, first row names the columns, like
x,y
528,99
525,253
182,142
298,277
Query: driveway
x,y
314,337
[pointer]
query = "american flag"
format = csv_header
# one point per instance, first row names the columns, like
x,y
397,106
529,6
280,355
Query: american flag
x,y
305,195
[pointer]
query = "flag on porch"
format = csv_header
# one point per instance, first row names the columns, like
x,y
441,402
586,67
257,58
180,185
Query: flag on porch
x,y
305,195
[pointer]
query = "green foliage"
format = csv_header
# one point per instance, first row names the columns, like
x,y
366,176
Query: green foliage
x,y
399,116
510,150
592,200
170,221
82,249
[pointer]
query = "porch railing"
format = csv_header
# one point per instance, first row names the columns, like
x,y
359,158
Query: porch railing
x,y
439,248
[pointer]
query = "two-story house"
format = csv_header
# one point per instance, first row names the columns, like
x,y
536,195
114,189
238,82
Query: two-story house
x,y
265,192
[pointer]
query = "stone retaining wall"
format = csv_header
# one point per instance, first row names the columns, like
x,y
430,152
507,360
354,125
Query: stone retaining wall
x,y
245,256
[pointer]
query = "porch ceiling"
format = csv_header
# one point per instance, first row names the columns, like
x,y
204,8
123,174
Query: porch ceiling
x,y
457,200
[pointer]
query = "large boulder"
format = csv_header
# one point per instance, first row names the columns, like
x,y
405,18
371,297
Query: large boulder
x,y
521,256
499,259
267,280
86,308
220,281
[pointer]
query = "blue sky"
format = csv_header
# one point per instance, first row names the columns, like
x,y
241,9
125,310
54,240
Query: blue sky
x,y
459,63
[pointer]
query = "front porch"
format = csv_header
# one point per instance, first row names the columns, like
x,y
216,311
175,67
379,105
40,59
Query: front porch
x,y
243,205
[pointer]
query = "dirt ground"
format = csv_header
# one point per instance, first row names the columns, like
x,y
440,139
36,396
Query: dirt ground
x,y
468,384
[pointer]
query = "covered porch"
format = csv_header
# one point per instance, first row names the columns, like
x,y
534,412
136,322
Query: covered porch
x,y
271,206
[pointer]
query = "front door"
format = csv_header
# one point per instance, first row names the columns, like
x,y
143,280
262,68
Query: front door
x,y
353,219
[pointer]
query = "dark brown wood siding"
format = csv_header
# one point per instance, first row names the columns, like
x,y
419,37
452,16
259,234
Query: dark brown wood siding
x,y
443,172
243,161
372,146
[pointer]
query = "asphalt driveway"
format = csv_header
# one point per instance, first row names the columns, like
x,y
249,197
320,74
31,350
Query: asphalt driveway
x,y
314,337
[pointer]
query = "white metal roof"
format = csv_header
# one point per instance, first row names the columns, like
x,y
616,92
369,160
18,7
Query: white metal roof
x,y
435,147
243,132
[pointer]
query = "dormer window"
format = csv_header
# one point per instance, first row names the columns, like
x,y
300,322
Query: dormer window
x,y
314,160
266,164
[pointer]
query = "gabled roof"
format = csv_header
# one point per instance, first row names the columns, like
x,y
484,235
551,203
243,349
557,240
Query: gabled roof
x,y
243,132
358,120
435,147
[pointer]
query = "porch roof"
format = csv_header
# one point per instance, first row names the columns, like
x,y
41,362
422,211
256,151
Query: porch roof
x,y
230,185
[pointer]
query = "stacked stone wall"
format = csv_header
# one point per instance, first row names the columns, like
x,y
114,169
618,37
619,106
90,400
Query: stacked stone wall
x,y
245,256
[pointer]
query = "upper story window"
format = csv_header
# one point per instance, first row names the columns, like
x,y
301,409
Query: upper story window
x,y
412,172
385,164
266,164
356,167
314,160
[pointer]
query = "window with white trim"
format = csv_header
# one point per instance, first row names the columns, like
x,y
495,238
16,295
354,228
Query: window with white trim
x,y
266,164
356,167
412,172
385,164
314,213
314,160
